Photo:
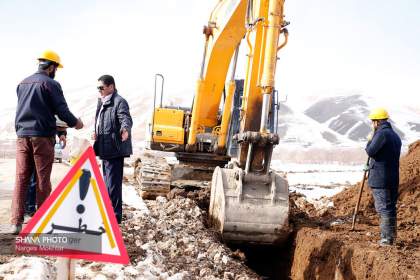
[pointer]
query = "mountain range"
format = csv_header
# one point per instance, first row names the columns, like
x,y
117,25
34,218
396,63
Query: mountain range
x,y
341,121
326,123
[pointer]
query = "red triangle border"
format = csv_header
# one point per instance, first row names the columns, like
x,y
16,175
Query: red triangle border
x,y
89,154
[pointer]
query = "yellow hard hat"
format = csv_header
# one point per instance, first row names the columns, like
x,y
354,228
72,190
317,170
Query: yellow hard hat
x,y
51,56
378,114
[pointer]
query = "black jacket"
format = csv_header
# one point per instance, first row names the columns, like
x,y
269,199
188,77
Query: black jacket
x,y
39,99
384,150
108,125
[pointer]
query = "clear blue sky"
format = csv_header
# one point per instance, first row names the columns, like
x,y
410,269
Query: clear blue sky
x,y
372,47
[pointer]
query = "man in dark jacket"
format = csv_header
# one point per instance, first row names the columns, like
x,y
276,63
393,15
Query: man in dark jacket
x,y
112,138
39,99
384,150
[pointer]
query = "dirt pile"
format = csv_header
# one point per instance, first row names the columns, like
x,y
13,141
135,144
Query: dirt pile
x,y
339,254
409,192
325,248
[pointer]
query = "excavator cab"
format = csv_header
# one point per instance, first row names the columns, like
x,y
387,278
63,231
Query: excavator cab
x,y
166,130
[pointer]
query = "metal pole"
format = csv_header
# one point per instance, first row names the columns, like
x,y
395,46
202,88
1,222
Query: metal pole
x,y
161,90
356,209
203,61
264,112
248,158
154,104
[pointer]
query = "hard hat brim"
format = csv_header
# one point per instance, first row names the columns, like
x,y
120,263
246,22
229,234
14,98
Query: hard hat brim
x,y
59,64
376,118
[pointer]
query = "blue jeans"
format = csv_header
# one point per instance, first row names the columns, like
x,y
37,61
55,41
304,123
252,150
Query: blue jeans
x,y
386,201
386,207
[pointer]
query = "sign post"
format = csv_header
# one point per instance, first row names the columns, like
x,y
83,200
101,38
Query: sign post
x,y
65,268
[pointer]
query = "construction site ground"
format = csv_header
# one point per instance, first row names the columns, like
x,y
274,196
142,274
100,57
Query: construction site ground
x,y
168,238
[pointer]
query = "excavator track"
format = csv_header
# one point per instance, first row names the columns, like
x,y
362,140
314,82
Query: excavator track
x,y
153,175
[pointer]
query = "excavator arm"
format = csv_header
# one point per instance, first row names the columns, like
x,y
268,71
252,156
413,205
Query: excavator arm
x,y
249,202
261,22
225,30
265,25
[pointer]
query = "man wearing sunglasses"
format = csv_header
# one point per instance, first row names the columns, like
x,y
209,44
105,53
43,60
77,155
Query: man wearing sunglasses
x,y
40,98
112,138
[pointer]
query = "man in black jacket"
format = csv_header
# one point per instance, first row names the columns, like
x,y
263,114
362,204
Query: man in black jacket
x,y
112,138
384,150
39,99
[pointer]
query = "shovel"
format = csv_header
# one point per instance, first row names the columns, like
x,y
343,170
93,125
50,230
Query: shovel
x,y
356,209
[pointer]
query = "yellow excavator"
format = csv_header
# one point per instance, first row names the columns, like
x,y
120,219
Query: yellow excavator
x,y
249,203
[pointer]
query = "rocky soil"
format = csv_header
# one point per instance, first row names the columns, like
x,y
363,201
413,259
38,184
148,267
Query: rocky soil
x,y
175,236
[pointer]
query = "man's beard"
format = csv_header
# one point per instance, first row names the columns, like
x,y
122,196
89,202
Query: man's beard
x,y
52,74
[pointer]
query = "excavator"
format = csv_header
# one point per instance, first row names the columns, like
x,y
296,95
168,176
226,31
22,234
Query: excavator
x,y
249,203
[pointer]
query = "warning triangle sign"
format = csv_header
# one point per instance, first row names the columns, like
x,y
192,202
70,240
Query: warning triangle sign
x,y
77,220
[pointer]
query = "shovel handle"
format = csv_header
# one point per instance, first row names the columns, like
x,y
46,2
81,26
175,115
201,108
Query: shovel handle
x,y
356,209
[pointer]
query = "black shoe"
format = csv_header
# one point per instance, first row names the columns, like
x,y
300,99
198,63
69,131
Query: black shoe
x,y
385,242
15,229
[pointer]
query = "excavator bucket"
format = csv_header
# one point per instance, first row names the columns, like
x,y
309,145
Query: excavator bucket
x,y
249,208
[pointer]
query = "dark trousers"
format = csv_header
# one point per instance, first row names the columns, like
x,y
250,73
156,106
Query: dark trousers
x,y
386,207
32,152
113,176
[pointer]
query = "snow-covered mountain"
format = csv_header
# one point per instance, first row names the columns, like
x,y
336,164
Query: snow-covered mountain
x,y
333,123
298,129
335,128
347,115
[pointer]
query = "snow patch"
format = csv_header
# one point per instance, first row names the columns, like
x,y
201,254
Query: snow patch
x,y
27,268
131,198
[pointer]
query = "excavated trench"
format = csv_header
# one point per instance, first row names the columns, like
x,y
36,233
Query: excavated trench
x,y
322,246
269,262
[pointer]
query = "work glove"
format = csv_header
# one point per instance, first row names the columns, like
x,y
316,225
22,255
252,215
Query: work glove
x,y
366,167
63,141
370,136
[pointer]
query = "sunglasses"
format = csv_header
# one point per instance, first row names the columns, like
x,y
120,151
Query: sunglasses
x,y
101,88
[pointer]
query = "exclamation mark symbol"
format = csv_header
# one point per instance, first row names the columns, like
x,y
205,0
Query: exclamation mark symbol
x,y
84,182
